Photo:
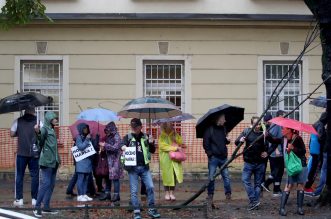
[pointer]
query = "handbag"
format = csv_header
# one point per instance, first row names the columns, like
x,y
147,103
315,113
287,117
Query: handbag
x,y
177,156
102,169
293,164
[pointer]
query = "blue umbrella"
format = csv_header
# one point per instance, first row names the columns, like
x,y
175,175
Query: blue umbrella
x,y
98,114
320,101
183,117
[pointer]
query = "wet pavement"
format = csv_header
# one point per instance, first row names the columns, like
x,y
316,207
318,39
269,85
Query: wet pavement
x,y
235,208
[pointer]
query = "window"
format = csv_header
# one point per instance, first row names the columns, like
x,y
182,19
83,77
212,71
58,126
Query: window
x,y
290,96
165,79
45,77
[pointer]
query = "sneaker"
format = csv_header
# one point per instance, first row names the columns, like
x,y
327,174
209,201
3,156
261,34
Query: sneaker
x,y
33,202
37,212
253,205
18,202
310,194
309,190
136,216
276,194
88,198
265,187
228,196
81,198
49,211
152,212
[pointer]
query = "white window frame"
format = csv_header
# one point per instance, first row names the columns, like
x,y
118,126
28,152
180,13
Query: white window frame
x,y
65,62
304,82
186,106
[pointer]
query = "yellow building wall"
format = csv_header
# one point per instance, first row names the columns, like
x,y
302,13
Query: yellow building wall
x,y
102,61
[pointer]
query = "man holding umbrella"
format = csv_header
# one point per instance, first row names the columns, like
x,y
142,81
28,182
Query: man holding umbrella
x,y
143,147
213,128
214,142
23,128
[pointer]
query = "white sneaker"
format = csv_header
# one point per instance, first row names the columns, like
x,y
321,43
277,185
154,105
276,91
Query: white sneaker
x,y
81,198
18,202
33,202
88,198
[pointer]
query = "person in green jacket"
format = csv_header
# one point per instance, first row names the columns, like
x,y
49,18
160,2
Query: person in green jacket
x,y
49,162
171,170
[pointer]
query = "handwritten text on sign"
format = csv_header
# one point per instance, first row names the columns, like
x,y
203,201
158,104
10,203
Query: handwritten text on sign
x,y
130,156
80,155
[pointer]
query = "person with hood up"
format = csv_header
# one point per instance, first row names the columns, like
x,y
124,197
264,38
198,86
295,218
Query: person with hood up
x,y
49,162
84,166
112,145
316,145
171,170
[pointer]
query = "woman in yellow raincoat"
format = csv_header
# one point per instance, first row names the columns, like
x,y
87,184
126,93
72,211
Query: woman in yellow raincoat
x,y
171,170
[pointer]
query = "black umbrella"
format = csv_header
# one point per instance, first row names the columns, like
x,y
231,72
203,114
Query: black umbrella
x,y
233,115
21,101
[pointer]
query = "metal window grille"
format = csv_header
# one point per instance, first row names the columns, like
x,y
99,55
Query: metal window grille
x,y
45,77
166,80
290,96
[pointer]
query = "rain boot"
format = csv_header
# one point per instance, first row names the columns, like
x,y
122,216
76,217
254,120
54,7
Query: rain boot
x,y
116,199
300,196
283,201
105,196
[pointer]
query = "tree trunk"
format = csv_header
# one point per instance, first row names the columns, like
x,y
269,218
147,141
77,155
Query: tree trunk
x,y
321,10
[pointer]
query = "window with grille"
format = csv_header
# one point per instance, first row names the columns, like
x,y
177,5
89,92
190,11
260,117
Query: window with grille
x,y
290,96
165,79
45,77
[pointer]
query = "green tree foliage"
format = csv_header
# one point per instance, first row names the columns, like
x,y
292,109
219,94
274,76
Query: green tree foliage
x,y
20,12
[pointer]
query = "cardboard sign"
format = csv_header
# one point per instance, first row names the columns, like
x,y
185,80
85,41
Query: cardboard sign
x,y
80,155
130,156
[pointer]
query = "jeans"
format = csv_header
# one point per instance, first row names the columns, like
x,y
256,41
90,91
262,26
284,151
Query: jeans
x,y
116,183
33,165
322,181
46,187
213,163
73,181
253,192
145,175
82,181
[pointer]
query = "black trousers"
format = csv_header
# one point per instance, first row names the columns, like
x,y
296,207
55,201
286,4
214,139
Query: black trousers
x,y
277,170
312,171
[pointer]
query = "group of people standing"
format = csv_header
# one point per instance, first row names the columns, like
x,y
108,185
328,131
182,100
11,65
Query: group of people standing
x,y
263,142
43,164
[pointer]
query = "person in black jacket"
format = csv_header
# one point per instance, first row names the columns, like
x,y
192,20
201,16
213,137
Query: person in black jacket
x,y
293,142
214,142
254,162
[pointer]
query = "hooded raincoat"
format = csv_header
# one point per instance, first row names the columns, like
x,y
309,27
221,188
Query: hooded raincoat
x,y
113,148
49,156
169,168
82,142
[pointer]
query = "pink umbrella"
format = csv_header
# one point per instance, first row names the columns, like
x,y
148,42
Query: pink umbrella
x,y
95,128
293,124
